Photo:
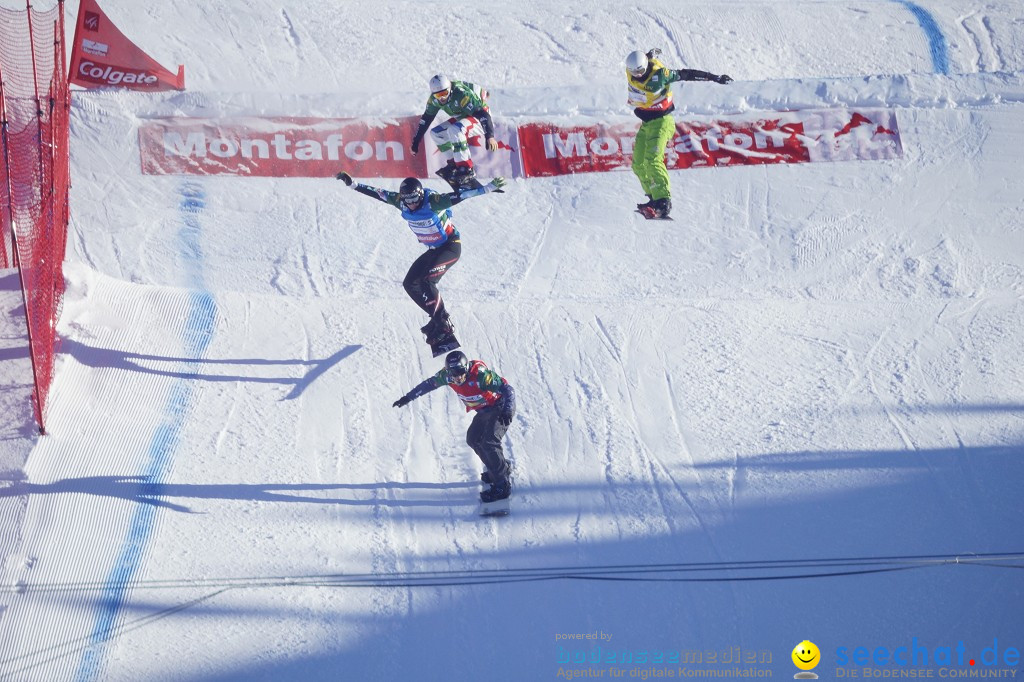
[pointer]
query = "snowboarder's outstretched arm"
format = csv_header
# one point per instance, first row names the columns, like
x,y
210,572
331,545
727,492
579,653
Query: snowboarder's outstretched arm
x,y
437,201
451,198
422,388
690,74
695,75
387,196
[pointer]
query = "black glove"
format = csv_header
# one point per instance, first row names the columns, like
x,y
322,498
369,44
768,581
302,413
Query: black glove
x,y
345,177
401,402
507,406
654,53
415,146
723,79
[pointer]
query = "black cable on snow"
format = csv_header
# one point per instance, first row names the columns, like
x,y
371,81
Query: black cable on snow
x,y
735,571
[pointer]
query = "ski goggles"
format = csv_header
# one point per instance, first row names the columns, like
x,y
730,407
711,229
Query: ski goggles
x,y
412,200
442,95
458,374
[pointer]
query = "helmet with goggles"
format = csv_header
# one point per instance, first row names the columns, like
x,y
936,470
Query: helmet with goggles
x,y
411,193
456,363
440,87
636,63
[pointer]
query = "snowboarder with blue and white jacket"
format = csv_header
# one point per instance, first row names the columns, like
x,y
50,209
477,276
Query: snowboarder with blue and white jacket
x,y
429,215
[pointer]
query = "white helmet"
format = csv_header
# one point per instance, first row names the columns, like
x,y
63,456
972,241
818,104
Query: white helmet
x,y
439,83
636,63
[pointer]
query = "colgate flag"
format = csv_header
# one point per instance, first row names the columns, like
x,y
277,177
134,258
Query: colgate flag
x,y
102,57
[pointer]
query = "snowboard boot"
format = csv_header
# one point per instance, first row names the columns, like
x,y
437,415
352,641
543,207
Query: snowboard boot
x,y
646,204
439,328
440,333
446,171
497,491
661,207
487,479
465,177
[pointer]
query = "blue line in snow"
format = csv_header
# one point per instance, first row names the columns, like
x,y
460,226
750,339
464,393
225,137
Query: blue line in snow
x,y
199,329
936,40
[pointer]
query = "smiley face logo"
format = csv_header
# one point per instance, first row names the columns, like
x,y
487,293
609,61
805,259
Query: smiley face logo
x,y
806,655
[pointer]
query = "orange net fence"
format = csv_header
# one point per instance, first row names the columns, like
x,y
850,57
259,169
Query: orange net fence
x,y
34,108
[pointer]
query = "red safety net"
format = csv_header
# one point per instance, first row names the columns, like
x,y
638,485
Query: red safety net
x,y
34,107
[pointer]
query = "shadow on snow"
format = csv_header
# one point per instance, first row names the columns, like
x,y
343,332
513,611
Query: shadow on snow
x,y
93,356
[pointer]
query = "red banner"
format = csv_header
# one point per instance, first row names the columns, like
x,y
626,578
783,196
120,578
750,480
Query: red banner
x,y
558,150
280,147
102,56
311,147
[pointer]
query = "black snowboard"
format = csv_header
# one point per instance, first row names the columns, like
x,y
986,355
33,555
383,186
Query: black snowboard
x,y
444,345
462,184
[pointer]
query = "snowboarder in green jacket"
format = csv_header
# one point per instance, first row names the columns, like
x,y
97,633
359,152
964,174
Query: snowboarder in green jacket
x,y
469,117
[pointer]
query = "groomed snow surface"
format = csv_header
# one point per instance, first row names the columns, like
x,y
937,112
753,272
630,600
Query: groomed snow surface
x,y
803,396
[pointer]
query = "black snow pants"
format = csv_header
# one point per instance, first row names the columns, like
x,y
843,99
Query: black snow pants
x,y
421,280
484,436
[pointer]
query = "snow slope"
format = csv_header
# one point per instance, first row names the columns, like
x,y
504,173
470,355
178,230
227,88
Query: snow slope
x,y
813,370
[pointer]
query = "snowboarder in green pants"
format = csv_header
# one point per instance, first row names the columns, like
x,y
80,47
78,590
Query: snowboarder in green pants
x,y
650,95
